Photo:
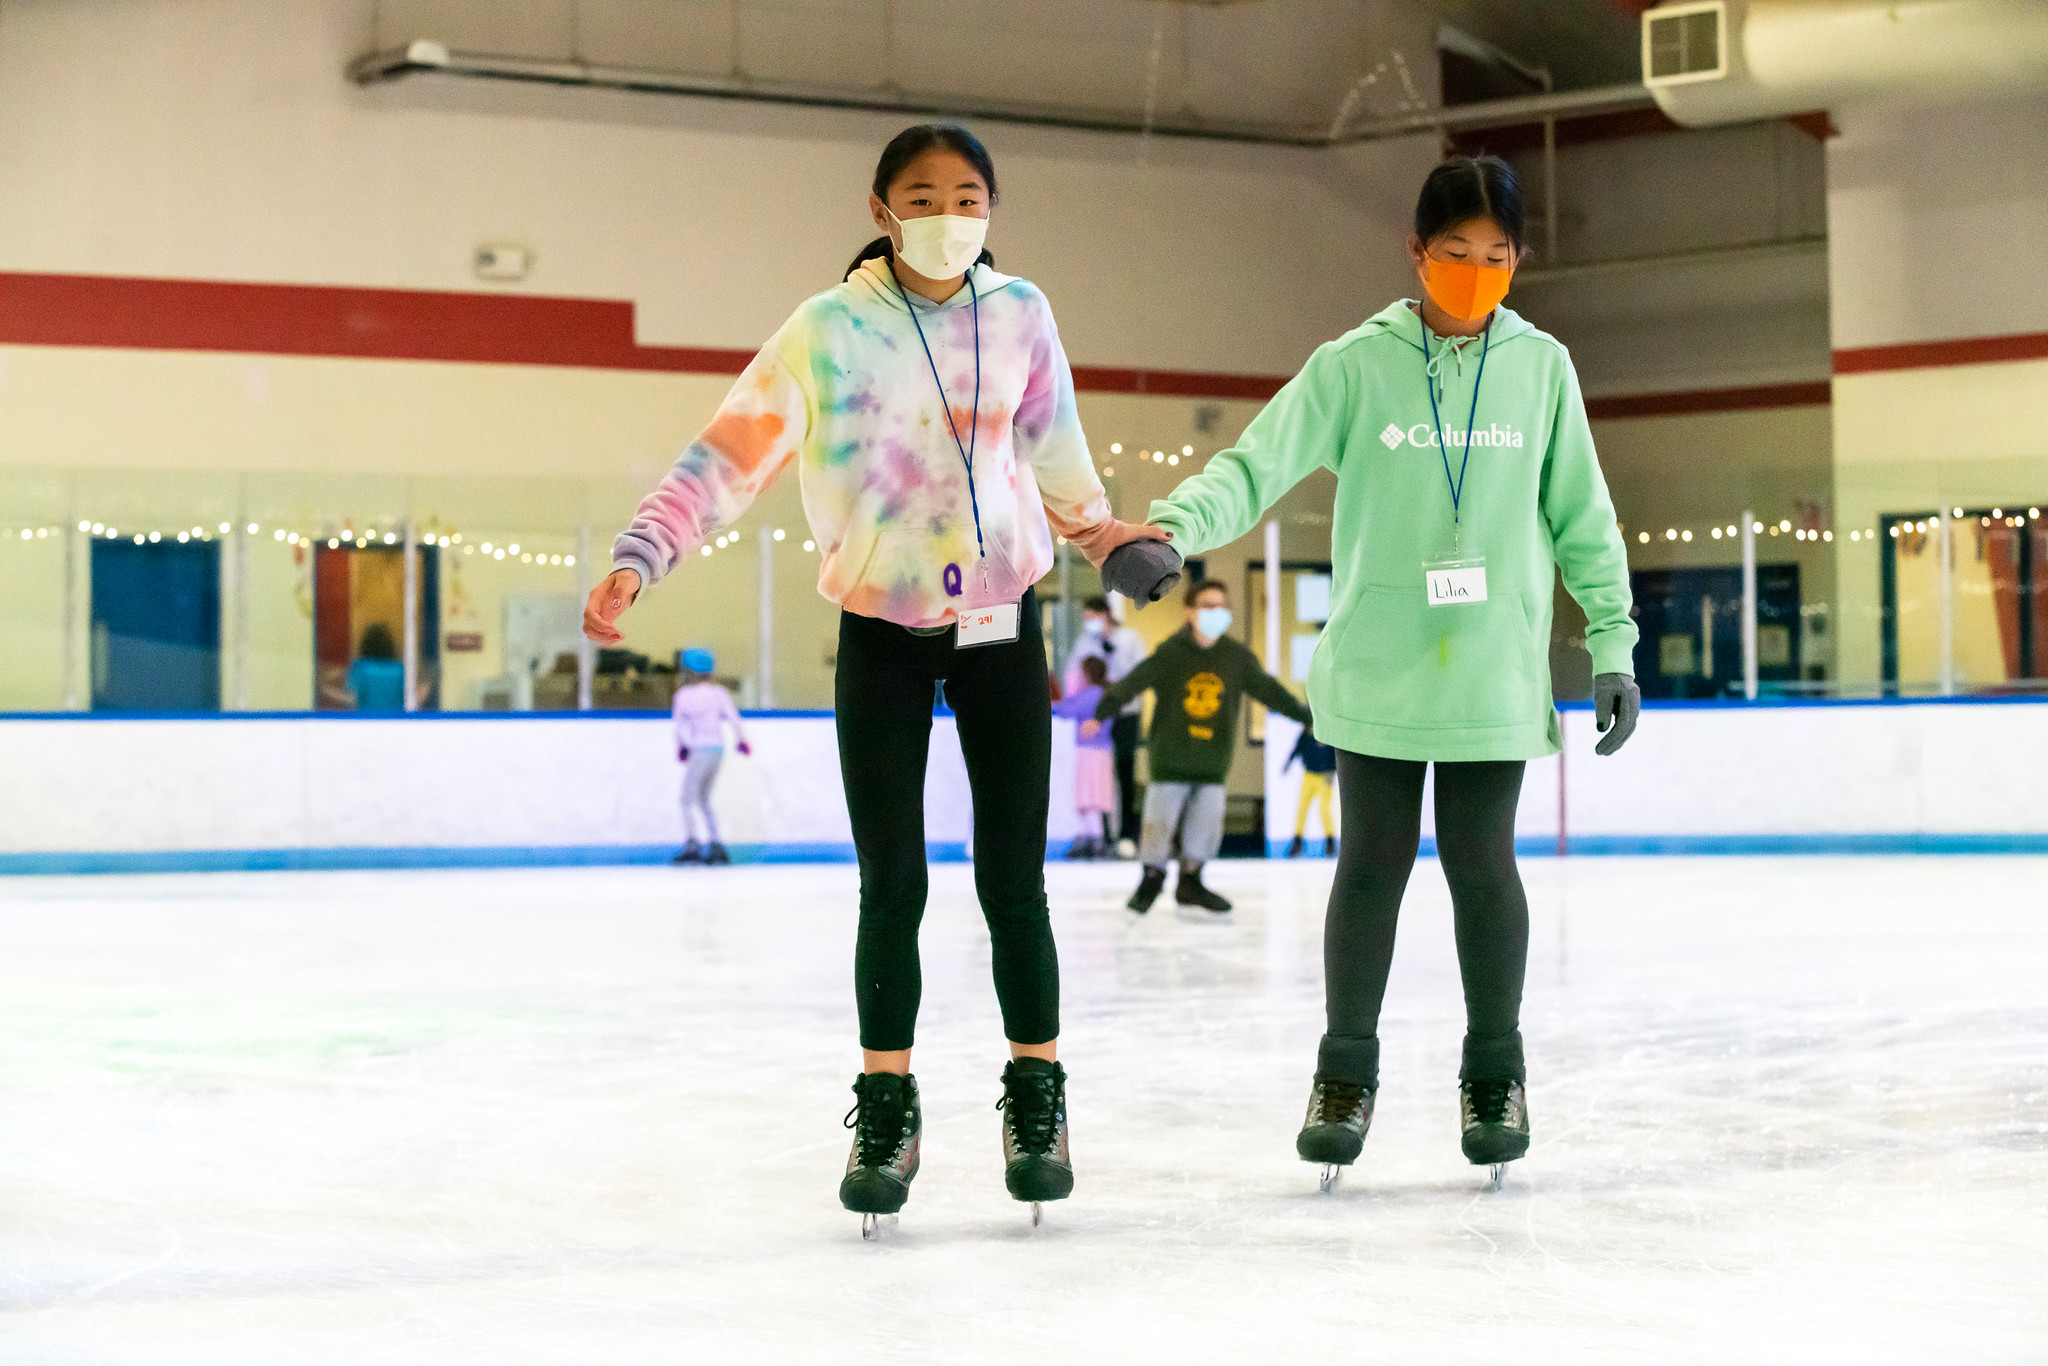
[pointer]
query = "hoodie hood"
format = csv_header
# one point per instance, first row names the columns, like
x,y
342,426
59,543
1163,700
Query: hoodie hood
x,y
1401,319
875,283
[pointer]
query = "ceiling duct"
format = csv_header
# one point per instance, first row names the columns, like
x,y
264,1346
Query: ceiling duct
x,y
1712,62
428,56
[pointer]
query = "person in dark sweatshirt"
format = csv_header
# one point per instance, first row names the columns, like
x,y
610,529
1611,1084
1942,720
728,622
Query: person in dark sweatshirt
x,y
1198,677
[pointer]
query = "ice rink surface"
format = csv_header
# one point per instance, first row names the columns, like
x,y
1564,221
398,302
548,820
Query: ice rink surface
x,y
1785,1111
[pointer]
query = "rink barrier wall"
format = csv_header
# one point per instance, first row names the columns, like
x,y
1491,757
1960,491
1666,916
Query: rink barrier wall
x,y
97,792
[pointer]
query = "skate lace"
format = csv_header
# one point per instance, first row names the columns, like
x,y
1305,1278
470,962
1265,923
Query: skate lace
x,y
1033,1106
877,1128
1490,1101
1341,1100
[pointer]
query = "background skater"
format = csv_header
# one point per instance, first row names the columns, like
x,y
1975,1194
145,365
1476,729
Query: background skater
x,y
1198,677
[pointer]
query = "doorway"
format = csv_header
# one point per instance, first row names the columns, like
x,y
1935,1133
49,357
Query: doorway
x,y
156,626
1691,625
359,593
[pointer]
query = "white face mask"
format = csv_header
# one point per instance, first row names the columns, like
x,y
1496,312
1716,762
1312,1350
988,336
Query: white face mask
x,y
941,245
1213,622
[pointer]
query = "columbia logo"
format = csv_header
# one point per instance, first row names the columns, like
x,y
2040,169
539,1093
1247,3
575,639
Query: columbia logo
x,y
1391,436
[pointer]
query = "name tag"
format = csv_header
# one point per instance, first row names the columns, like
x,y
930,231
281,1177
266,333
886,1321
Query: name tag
x,y
987,626
1449,584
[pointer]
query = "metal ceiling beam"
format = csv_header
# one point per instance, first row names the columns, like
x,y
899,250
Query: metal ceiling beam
x,y
424,56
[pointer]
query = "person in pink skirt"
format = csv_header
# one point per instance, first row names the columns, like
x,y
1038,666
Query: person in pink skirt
x,y
1094,760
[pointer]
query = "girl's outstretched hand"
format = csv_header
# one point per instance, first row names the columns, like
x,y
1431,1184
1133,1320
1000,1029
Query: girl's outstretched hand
x,y
1097,544
607,601
746,748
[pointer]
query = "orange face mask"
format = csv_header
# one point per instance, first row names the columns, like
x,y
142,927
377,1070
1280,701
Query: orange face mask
x,y
1465,290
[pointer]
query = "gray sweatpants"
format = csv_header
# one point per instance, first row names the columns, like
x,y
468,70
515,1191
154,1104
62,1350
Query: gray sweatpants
x,y
1197,808
700,771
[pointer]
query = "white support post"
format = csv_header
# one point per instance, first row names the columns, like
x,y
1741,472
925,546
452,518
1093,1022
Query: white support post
x,y
412,617
240,544
77,559
586,651
1945,540
1273,599
1749,604
765,694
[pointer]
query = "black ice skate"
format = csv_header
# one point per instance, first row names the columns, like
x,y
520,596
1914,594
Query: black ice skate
x,y
1339,1115
1037,1164
1495,1115
1196,901
1294,847
1329,846
716,853
1148,891
692,853
888,1130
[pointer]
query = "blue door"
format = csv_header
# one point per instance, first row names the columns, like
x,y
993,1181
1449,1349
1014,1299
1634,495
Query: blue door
x,y
1691,624
155,626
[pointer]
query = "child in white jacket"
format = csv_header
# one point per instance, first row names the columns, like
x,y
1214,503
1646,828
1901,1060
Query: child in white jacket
x,y
702,709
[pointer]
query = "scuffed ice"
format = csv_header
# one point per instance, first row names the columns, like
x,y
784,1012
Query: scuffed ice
x,y
1785,1111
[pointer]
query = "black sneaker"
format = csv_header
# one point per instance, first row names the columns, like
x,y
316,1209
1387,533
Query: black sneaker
x,y
716,853
1149,888
1037,1165
1294,847
1190,892
1339,1116
692,853
888,1130
1495,1119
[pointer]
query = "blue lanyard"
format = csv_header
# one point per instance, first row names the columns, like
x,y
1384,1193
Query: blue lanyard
x,y
965,448
1458,484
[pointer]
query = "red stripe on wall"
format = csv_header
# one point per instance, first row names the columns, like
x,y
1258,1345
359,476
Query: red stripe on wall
x,y
1710,400
322,320
1095,379
417,324
1862,360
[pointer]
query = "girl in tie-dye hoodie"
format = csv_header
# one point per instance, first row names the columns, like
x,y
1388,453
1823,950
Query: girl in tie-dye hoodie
x,y
928,407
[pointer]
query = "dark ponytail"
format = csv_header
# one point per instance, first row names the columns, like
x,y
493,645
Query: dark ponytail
x,y
906,147
1465,188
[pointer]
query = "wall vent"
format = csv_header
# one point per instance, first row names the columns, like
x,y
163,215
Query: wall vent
x,y
1685,43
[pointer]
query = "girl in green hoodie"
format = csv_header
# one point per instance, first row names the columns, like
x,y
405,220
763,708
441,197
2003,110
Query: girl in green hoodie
x,y
1466,480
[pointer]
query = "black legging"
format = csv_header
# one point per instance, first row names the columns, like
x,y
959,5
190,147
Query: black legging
x,y
1000,695
1475,839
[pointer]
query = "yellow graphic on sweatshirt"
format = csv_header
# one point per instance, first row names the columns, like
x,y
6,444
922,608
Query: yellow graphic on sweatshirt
x,y
1204,700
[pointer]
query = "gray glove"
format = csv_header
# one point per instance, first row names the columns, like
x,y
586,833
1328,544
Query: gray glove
x,y
1143,571
1617,701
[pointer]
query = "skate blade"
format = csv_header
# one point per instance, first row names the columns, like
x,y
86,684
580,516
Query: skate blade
x,y
1332,1174
1495,1175
871,1226
1037,1213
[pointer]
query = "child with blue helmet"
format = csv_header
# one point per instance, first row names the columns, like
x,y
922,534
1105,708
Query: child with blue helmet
x,y
702,709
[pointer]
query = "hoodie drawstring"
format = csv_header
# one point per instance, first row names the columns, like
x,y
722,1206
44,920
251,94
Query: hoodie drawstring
x,y
1453,350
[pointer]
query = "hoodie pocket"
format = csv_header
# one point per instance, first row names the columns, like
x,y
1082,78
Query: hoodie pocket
x,y
1399,662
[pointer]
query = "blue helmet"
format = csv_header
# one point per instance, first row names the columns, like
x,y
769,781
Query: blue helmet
x,y
699,661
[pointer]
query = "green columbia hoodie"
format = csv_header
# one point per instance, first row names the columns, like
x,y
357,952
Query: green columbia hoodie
x,y
1394,676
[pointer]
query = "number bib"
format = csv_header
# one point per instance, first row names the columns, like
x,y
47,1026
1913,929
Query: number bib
x,y
987,626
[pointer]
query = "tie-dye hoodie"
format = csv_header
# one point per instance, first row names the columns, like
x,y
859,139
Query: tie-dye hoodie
x,y
845,389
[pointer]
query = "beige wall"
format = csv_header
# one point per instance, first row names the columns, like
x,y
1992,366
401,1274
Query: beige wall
x,y
219,139
1937,218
